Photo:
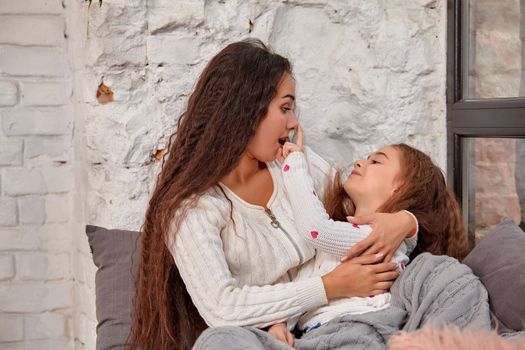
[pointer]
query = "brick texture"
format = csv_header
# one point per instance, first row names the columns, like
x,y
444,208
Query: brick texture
x,y
36,175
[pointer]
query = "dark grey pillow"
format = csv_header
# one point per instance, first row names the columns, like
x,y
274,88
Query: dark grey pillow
x,y
499,261
116,254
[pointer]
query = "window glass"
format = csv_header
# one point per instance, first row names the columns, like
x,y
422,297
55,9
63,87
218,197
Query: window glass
x,y
494,37
493,183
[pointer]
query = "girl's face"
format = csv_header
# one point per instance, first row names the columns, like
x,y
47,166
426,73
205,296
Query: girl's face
x,y
277,124
374,180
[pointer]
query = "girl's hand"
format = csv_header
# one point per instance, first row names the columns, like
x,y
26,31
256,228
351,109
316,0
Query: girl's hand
x,y
281,332
290,147
388,232
362,276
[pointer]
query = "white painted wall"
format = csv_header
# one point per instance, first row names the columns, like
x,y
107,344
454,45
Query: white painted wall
x,y
368,73
37,182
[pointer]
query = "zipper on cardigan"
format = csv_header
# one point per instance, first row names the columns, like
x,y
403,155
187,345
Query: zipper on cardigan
x,y
275,223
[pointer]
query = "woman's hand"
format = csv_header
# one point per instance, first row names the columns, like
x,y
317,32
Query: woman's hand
x,y
362,276
281,332
388,231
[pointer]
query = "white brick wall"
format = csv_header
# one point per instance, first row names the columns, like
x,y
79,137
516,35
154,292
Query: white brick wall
x,y
11,328
46,325
31,210
8,212
47,149
20,181
37,121
35,266
359,87
7,269
36,171
34,30
11,152
66,160
17,239
30,61
58,208
31,7
8,93
36,296
45,93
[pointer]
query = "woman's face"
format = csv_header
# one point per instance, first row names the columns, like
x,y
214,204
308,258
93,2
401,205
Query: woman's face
x,y
277,124
374,180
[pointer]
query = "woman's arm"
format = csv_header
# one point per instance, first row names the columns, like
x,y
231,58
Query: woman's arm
x,y
366,273
389,230
199,256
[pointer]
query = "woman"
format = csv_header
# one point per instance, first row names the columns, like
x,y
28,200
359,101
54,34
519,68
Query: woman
x,y
219,210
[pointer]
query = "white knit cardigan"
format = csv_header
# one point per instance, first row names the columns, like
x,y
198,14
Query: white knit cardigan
x,y
238,272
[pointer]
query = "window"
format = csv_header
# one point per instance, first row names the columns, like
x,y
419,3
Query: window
x,y
486,111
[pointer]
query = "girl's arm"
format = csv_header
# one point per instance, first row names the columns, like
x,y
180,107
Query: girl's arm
x,y
320,170
311,218
280,331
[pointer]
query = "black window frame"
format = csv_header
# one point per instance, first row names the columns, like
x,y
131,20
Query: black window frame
x,y
498,117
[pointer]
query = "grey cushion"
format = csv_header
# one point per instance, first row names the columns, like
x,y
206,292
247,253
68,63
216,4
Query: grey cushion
x,y
499,261
116,254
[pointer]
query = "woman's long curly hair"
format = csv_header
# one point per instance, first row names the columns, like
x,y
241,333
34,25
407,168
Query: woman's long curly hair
x,y
425,194
229,101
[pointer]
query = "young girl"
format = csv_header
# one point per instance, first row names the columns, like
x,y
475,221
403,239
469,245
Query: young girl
x,y
394,178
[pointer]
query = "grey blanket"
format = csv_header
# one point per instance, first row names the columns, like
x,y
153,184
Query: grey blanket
x,y
433,289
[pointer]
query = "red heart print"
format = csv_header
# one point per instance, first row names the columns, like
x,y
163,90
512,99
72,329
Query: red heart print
x,y
286,167
314,234
355,225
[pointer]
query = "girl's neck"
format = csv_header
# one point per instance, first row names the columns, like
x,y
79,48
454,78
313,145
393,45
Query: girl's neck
x,y
361,210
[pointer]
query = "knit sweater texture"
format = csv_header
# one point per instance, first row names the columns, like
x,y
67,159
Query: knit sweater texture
x,y
241,272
